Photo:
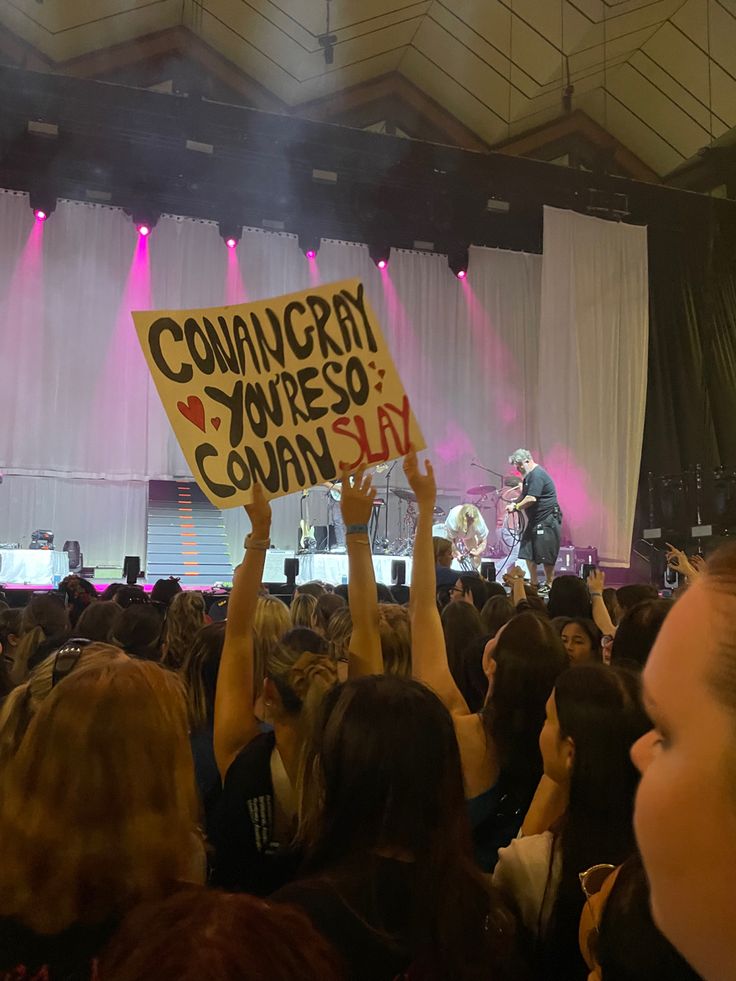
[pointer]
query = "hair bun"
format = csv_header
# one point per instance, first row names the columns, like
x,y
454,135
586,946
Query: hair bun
x,y
309,670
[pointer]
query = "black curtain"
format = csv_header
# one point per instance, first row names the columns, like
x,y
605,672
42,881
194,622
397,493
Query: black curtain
x,y
691,400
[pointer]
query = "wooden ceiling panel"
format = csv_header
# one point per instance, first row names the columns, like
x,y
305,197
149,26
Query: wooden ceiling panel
x,y
495,65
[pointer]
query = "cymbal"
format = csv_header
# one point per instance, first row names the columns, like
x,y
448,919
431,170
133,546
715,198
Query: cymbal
x,y
481,490
404,494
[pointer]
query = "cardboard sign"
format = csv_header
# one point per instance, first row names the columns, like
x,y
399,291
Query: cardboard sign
x,y
284,392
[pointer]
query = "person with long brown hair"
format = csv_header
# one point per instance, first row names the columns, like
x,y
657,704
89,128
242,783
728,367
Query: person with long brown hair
x,y
99,813
262,772
502,764
184,617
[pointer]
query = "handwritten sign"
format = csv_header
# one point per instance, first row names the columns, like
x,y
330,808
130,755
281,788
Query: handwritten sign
x,y
284,392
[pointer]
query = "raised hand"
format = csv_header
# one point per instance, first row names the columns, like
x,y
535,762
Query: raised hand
x,y
423,484
515,572
358,494
596,581
679,562
699,564
259,512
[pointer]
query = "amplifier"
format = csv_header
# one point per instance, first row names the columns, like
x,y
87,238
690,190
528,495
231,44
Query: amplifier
x,y
565,565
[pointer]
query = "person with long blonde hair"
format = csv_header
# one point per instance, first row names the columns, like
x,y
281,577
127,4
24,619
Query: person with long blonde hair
x,y
99,813
24,701
271,620
303,610
185,616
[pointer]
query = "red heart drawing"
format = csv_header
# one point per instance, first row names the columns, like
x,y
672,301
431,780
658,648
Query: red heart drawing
x,y
371,364
381,372
216,422
193,410
379,387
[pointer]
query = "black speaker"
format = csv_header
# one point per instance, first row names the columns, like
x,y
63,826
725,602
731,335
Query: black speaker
x,y
291,570
398,572
488,570
131,569
75,555
321,537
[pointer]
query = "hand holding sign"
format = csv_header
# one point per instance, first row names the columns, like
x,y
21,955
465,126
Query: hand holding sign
x,y
285,392
259,512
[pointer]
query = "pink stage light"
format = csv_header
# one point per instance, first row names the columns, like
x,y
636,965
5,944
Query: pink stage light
x,y
310,254
144,230
40,214
231,242
381,263
462,273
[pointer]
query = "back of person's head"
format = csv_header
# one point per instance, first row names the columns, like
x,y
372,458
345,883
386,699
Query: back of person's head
x,y
11,621
442,550
44,626
296,682
327,605
609,598
342,591
496,611
108,593
103,784
199,673
302,610
568,597
199,934
164,590
599,718
78,594
315,589
270,623
24,701
138,631
527,659
98,621
339,631
464,633
476,587
126,596
384,594
394,630
628,596
494,588
186,615
638,630
628,945
303,640
373,793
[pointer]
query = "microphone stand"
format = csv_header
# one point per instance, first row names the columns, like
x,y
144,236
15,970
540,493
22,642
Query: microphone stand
x,y
495,473
388,493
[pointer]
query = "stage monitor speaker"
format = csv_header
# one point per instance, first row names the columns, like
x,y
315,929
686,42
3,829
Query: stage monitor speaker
x,y
75,555
488,570
132,569
565,564
291,570
398,572
322,537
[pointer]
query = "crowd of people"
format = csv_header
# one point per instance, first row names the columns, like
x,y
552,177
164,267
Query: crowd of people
x,y
490,781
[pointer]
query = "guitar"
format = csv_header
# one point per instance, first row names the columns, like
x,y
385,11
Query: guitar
x,y
307,541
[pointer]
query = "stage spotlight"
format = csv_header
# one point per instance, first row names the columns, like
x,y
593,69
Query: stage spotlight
x,y
144,221
230,233
309,244
458,260
42,204
380,255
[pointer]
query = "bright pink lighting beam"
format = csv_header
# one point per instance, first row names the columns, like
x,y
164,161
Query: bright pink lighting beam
x,y
40,214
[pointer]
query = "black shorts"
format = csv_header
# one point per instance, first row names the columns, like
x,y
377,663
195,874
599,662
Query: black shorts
x,y
540,542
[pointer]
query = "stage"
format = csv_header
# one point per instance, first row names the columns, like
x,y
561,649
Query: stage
x,y
32,567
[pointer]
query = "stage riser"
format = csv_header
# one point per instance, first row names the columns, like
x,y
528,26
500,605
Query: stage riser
x,y
186,536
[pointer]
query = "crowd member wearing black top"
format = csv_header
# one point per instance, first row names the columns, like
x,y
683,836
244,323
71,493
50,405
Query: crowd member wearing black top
x,y
390,878
499,746
261,772
98,812
199,934
540,541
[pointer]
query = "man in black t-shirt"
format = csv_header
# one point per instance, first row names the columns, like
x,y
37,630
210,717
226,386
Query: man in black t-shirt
x,y
540,541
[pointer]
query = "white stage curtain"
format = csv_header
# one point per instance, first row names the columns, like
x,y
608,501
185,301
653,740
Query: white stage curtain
x,y
593,374
77,401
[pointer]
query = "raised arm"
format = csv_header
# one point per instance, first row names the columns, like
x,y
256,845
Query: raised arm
x,y
356,503
428,652
515,578
596,585
235,721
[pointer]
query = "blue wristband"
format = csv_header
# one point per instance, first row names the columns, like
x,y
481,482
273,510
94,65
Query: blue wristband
x,y
356,530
